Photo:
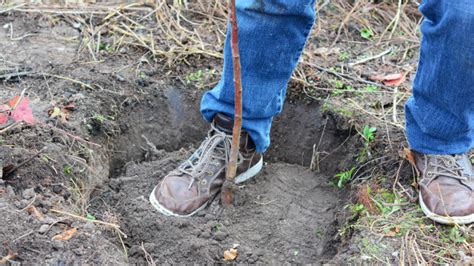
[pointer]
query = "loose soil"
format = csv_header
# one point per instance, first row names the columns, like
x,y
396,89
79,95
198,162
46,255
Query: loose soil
x,y
146,126
286,214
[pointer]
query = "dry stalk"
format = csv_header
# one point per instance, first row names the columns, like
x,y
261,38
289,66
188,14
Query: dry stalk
x,y
232,165
109,225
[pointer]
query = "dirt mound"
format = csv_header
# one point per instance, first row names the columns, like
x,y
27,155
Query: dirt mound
x,y
286,214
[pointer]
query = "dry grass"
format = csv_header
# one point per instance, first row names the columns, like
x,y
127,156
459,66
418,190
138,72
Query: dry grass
x,y
334,70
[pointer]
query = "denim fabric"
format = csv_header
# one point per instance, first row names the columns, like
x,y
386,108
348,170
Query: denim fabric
x,y
272,35
440,114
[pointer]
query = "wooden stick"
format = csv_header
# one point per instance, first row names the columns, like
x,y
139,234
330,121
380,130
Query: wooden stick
x,y
232,165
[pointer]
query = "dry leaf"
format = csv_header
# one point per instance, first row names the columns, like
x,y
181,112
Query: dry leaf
x,y
325,51
18,109
61,113
21,110
7,258
408,155
230,254
390,79
66,235
4,112
393,231
33,210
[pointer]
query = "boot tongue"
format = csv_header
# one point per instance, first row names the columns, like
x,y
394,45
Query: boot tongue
x,y
224,123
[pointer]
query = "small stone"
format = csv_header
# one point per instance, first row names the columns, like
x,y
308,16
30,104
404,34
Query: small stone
x,y
205,234
57,244
28,193
21,204
219,235
88,226
78,96
57,189
10,191
43,229
48,220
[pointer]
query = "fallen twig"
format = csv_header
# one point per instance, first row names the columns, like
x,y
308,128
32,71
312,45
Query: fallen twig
x,y
111,225
345,76
10,126
71,135
370,58
9,172
16,75
8,257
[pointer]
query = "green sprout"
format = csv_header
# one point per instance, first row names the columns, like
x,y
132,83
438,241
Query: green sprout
x,y
368,133
343,178
67,169
366,33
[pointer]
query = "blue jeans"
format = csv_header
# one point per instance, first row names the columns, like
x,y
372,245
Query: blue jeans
x,y
272,34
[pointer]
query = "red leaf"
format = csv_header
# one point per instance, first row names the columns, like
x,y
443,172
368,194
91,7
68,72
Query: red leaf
x,y
22,111
390,79
4,114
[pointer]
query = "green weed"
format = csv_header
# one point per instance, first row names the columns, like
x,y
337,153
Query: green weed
x,y
67,169
368,133
343,178
366,33
371,88
194,77
319,232
344,56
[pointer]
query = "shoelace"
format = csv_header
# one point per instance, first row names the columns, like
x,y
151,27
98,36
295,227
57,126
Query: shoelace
x,y
215,147
449,167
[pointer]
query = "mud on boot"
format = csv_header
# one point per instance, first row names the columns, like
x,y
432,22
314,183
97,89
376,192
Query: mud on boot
x,y
195,183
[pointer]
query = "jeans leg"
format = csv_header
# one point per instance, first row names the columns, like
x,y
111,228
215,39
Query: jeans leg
x,y
272,35
440,114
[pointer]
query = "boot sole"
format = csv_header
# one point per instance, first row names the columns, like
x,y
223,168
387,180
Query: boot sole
x,y
251,172
448,220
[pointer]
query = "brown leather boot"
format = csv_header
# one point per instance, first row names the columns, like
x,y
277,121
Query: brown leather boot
x,y
195,183
446,187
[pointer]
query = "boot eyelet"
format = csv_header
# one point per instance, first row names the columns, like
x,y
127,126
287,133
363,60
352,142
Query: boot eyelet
x,y
203,182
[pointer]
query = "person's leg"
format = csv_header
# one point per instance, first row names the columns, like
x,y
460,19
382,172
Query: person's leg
x,y
272,35
440,114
